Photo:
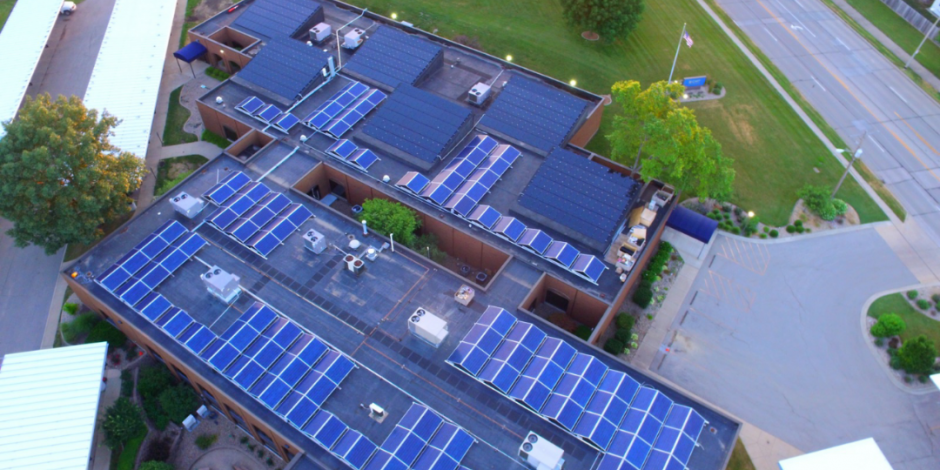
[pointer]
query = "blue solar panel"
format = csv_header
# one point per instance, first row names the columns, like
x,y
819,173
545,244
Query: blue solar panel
x,y
589,266
178,324
330,108
275,392
250,105
510,228
249,374
325,428
263,212
536,240
342,148
200,339
267,113
302,412
243,338
276,231
485,216
354,448
363,158
286,122
223,357
312,352
348,118
562,253
227,188
153,306
287,335
294,372
239,204
261,384
413,181
393,57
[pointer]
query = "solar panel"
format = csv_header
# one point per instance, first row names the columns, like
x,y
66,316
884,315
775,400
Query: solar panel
x,y
330,108
285,122
342,148
482,340
485,216
227,187
153,306
267,113
363,158
200,339
536,240
437,192
607,409
413,181
510,228
354,449
589,267
325,428
348,118
250,105
238,205
178,324
561,253
513,355
249,375
453,441
276,231
263,212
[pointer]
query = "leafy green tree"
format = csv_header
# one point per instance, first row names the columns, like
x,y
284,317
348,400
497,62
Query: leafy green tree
x,y
687,156
179,402
610,18
60,178
639,109
917,356
388,217
155,465
153,380
889,324
122,422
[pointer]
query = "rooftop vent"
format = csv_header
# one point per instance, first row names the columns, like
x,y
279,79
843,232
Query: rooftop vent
x,y
541,454
314,241
353,39
478,94
187,205
428,327
222,284
320,33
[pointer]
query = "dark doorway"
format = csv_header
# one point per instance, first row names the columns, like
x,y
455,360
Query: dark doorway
x,y
230,133
556,300
337,189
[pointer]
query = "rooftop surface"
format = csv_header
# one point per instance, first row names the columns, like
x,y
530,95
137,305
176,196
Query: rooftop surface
x,y
285,67
366,318
269,19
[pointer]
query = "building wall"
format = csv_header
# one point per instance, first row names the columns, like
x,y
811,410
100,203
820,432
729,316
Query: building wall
x,y
222,53
214,120
589,128
227,405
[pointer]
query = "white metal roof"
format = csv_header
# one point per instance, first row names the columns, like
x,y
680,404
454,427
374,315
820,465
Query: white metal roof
x,y
859,455
22,41
127,73
48,407
936,377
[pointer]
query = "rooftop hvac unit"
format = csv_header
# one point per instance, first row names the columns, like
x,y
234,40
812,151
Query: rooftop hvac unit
x,y
353,263
222,284
428,327
314,241
353,38
187,205
320,32
541,454
478,94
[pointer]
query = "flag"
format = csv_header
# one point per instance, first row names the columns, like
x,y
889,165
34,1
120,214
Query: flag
x,y
688,39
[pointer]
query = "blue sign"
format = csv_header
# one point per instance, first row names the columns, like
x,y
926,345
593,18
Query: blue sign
x,y
694,82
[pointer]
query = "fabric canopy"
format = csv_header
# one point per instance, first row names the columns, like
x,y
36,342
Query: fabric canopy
x,y
190,52
692,224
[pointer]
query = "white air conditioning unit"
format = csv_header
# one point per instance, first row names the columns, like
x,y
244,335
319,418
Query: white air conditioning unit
x,y
314,241
478,94
320,32
187,205
353,38
540,454
222,284
428,327
353,263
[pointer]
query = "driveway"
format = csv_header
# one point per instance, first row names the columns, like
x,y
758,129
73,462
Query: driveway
x,y
772,333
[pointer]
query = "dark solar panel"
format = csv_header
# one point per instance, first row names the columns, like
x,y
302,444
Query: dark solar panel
x,y
285,67
276,18
393,57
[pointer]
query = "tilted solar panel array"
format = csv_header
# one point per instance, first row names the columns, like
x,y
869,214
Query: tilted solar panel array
x,y
152,261
350,154
636,427
422,440
354,113
266,113
392,57
252,214
330,108
285,68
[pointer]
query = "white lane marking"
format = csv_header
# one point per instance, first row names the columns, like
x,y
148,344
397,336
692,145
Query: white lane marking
x,y
795,17
771,35
843,44
820,84
800,4
875,141
898,94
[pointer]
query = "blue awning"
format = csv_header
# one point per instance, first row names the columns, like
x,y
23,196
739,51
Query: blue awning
x,y
692,224
191,52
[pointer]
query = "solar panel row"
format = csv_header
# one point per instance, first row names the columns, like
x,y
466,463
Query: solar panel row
x,y
393,57
350,154
352,115
333,106
277,18
635,426
285,68
422,440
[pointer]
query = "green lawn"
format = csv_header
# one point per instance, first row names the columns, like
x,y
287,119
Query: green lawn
x,y
774,151
917,323
900,31
176,116
128,456
171,171
6,6
739,458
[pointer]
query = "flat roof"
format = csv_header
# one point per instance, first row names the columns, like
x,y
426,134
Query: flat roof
x,y
859,455
49,406
128,70
22,40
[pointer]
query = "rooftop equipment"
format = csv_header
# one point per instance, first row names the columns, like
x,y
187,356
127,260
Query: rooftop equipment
x,y
187,205
314,241
320,33
222,284
428,327
353,264
541,454
478,94
353,39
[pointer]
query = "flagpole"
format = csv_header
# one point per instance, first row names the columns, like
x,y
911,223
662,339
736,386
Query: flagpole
x,y
681,37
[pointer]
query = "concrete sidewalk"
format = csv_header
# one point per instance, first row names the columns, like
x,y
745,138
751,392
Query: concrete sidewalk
x,y
101,454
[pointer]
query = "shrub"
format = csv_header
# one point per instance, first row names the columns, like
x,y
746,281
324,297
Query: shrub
x,y
105,331
774,233
912,294
713,216
82,324
122,423
243,439
613,346
204,441
213,138
879,342
798,223
923,304
70,308
643,297
154,412
155,465
387,217
582,332
178,402
816,199
840,206
800,229
736,230
738,211
427,245
158,450
917,356
791,229
763,236
153,380
935,298
766,229
923,379
625,321
622,335
269,462
127,383
889,324
217,74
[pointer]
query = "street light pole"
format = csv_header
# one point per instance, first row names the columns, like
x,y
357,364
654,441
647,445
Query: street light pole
x,y
857,153
916,51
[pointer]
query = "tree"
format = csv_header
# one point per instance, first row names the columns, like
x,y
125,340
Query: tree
x,y
917,356
155,465
609,18
153,380
388,217
687,156
60,178
179,402
639,109
889,324
817,199
122,422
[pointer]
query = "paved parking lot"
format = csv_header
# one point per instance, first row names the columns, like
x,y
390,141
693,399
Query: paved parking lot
x,y
772,333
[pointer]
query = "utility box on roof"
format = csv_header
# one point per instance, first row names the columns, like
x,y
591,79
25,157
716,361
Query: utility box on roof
x,y
187,205
478,94
222,284
320,32
353,38
428,327
541,454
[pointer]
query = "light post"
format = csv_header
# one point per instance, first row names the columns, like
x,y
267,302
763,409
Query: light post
x,y
916,51
857,153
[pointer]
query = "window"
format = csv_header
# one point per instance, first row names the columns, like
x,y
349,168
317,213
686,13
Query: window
x,y
289,453
154,354
211,399
183,376
266,440
238,419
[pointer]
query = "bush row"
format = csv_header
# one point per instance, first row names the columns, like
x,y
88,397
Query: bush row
x,y
643,295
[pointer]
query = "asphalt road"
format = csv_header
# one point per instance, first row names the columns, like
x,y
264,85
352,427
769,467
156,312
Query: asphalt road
x,y
856,89
773,334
